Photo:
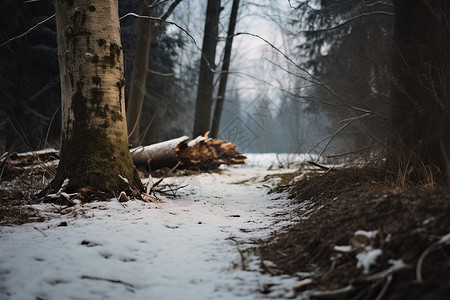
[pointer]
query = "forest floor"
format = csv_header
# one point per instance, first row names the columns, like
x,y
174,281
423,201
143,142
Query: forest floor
x,y
357,236
270,229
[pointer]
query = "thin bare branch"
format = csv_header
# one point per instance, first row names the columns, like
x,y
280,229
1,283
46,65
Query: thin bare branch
x,y
363,15
161,74
170,10
30,30
134,15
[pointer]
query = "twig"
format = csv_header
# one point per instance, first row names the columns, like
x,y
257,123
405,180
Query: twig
x,y
385,287
160,20
318,165
160,74
109,280
420,262
28,31
167,174
350,20
39,230
49,126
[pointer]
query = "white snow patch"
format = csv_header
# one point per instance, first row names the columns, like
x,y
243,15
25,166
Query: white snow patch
x,y
367,258
61,189
343,249
39,152
185,248
124,179
368,234
427,221
388,238
445,239
284,160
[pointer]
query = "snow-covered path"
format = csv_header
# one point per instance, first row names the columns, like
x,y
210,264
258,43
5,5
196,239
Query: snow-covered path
x,y
184,249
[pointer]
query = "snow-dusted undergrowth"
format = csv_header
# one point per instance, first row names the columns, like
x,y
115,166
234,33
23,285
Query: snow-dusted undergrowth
x,y
186,248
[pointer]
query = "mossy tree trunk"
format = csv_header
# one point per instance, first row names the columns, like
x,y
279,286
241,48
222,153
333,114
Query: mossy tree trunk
x,y
94,143
421,88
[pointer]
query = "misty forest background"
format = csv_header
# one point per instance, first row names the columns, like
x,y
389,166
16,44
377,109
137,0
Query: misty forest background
x,y
321,90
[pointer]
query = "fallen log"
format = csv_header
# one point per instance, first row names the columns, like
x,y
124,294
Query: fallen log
x,y
202,153
158,155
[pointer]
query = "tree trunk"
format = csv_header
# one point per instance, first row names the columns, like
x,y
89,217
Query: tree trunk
x,y
94,143
421,81
224,74
139,76
207,65
147,30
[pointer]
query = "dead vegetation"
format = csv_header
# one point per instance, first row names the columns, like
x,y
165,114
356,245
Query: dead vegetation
x,y
22,176
332,206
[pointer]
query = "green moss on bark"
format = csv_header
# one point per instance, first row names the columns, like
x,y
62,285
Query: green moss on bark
x,y
90,157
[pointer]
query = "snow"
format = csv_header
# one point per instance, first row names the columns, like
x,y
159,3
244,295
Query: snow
x,y
367,258
275,160
190,247
445,239
343,249
39,152
368,234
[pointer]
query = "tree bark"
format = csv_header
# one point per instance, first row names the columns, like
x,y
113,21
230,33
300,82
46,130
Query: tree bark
x,y
157,155
139,76
94,144
225,68
420,87
147,30
207,66
201,153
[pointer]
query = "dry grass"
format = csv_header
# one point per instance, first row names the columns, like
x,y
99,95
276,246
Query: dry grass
x,y
409,217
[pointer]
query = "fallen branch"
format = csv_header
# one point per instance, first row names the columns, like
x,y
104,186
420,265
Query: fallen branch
x,y
318,165
201,153
443,241
129,285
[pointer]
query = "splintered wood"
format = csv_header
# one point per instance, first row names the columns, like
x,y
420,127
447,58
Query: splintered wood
x,y
207,153
202,153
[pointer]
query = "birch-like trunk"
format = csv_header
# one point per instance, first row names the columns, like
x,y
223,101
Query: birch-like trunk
x,y
94,143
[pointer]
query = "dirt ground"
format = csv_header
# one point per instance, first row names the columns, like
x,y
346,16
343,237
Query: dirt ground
x,y
406,225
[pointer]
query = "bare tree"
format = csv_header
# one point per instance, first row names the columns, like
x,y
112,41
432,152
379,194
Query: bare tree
x,y
225,68
148,28
94,145
205,83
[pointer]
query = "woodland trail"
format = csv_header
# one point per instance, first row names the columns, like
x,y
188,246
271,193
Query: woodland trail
x,y
190,247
